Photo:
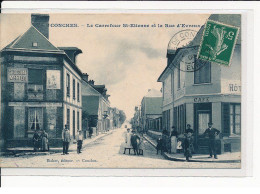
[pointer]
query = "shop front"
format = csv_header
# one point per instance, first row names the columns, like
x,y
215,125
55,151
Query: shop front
x,y
223,111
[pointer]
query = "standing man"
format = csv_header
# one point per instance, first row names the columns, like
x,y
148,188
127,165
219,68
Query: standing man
x,y
212,133
65,139
79,141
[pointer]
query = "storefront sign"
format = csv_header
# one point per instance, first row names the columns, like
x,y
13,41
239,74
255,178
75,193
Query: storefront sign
x,y
201,99
17,75
53,79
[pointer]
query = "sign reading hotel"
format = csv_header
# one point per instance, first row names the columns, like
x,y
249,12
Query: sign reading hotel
x,y
53,79
17,75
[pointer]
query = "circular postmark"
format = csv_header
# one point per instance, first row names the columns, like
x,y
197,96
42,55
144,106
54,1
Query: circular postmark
x,y
186,57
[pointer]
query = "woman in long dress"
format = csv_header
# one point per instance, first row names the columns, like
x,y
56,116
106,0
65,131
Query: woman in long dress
x,y
127,140
174,136
44,138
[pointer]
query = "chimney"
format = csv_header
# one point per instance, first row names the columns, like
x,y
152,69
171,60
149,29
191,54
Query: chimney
x,y
41,23
85,77
91,82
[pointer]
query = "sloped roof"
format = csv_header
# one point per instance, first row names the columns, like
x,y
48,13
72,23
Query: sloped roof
x,y
32,35
153,105
90,104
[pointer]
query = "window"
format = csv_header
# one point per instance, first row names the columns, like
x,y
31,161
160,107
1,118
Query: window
x,y
35,44
35,119
68,84
74,124
172,83
78,92
68,118
235,119
231,116
203,74
78,120
35,84
35,76
74,88
179,76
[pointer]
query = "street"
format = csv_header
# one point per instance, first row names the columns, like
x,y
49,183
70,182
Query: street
x,y
105,152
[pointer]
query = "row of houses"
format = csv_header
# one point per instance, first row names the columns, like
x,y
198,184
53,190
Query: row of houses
x,y
42,88
212,93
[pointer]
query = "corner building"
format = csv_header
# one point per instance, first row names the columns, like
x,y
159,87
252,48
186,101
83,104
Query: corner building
x,y
212,93
40,87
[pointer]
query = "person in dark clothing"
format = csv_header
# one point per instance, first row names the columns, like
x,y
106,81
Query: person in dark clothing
x,y
212,133
66,139
36,141
44,141
159,145
188,143
189,130
134,142
174,132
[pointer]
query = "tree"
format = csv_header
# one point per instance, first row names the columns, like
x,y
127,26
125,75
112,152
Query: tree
x,y
122,117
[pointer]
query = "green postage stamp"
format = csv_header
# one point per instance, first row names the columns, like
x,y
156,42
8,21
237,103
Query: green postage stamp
x,y
218,42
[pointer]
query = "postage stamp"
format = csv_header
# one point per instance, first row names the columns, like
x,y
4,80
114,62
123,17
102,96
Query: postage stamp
x,y
218,42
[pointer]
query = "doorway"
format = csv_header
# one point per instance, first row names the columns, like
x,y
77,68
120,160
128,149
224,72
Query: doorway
x,y
202,116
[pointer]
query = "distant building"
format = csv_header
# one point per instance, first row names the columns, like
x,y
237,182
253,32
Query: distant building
x,y
210,94
151,110
40,87
95,106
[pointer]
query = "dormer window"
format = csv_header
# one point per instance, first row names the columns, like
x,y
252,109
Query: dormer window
x,y
35,44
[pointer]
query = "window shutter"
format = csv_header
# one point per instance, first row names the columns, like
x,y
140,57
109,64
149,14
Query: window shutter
x,y
226,119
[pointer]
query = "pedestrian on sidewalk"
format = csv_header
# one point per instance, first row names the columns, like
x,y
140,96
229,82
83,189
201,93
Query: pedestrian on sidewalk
x,y
65,139
127,140
36,141
44,141
212,133
135,140
174,136
188,143
79,141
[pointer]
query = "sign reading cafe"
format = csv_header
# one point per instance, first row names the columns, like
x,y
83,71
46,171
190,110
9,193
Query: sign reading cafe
x,y
17,75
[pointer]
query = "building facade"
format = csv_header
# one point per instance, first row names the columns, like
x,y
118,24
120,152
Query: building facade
x,y
151,109
210,93
40,87
96,106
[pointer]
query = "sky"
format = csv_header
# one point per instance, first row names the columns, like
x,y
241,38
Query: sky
x,y
127,60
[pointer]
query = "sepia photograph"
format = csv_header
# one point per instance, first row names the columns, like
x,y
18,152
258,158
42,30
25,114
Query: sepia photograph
x,y
121,90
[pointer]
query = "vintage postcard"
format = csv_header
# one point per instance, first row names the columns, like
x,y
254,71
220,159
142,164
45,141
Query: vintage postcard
x,y
121,90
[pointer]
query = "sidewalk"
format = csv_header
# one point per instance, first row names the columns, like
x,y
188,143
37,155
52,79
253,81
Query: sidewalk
x,y
226,157
28,151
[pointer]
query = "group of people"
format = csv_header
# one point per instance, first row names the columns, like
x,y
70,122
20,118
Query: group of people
x,y
40,141
172,144
66,140
132,140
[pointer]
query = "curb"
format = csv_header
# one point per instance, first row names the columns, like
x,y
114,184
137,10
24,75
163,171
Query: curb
x,y
166,156
52,151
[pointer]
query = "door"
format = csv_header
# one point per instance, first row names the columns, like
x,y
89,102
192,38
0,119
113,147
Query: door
x,y
203,120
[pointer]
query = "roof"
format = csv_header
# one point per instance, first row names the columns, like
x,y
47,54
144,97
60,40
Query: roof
x,y
24,43
153,105
32,35
90,104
